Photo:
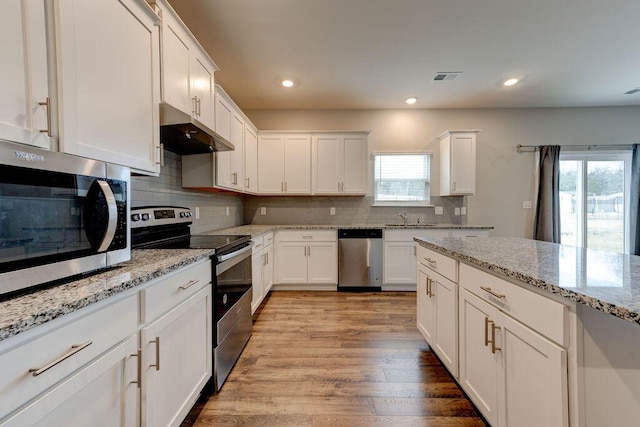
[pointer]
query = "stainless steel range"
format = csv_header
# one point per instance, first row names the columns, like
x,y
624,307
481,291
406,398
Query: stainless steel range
x,y
168,227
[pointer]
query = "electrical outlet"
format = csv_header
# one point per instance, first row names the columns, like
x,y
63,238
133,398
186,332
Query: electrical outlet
x,y
456,211
332,211
439,210
263,211
197,212
527,204
463,210
227,210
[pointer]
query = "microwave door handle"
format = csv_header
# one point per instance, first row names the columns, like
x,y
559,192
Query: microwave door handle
x,y
112,210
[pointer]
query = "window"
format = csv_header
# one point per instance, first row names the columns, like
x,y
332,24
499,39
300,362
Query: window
x,y
401,179
594,199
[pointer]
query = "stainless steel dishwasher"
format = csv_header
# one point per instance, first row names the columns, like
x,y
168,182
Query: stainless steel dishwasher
x,y
360,259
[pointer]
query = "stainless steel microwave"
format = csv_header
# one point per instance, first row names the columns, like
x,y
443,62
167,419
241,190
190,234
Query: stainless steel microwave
x,y
60,216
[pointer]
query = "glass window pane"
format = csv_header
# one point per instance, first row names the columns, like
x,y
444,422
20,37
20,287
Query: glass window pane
x,y
569,202
401,177
605,205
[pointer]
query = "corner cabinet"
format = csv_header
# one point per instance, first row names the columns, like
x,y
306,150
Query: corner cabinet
x,y
458,163
284,164
339,164
109,86
25,110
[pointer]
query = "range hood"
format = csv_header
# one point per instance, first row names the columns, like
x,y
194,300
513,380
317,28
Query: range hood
x,y
183,134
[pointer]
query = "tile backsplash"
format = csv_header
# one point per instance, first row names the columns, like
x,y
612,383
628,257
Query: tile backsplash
x,y
348,210
166,189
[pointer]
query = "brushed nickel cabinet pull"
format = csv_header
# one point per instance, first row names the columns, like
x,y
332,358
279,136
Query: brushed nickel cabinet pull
x,y
74,349
486,331
194,102
248,185
453,186
160,155
492,292
267,254
493,338
157,364
138,381
432,262
189,284
198,106
285,187
47,105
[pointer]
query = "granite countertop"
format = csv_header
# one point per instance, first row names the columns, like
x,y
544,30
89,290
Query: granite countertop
x,y
256,230
25,312
606,281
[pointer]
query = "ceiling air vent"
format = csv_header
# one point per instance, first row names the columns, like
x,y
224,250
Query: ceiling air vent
x,y
446,75
632,91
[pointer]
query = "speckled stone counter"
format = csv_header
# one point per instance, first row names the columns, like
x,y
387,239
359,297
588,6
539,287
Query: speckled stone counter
x,y
606,281
22,313
256,230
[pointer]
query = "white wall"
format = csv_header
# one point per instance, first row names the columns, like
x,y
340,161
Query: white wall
x,y
504,178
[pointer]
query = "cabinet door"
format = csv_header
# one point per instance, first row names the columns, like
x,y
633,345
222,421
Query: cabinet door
x,y
223,170
478,365
109,85
237,155
399,262
532,380
202,89
292,262
176,54
104,393
177,352
327,164
223,112
463,163
250,160
354,164
323,263
24,84
297,164
257,265
445,296
267,272
426,307
271,165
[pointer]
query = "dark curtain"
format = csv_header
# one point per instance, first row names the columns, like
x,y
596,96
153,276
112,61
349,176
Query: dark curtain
x,y
634,208
547,221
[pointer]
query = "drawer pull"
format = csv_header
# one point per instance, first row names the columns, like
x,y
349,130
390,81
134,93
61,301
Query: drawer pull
x,y
188,285
74,349
431,261
307,237
157,364
492,292
138,381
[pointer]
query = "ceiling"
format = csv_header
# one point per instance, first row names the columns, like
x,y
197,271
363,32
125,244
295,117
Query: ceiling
x,y
372,54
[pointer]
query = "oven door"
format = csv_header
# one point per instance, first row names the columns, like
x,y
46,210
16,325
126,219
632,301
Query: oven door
x,y
59,216
231,282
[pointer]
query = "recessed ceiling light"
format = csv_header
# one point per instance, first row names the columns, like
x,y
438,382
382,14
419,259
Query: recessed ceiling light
x,y
411,100
510,82
287,83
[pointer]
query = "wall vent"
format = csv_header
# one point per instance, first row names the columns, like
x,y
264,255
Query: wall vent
x,y
446,75
632,91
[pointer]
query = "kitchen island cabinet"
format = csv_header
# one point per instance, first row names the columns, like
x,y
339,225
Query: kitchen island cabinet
x,y
548,333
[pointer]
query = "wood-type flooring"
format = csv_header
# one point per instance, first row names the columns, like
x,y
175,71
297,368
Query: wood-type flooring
x,y
337,359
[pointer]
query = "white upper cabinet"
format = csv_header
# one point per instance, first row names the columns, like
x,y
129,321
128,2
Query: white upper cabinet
x,y
340,164
25,110
230,124
458,163
187,70
108,81
285,164
250,159
223,113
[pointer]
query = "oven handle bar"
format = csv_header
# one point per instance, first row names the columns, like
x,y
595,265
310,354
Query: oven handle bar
x,y
223,258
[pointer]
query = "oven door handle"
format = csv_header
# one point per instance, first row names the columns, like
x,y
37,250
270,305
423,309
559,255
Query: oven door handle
x,y
112,212
223,258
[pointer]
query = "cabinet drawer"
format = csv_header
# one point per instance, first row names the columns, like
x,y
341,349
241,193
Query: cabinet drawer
x,y
169,291
537,312
408,235
81,340
308,236
448,267
258,244
268,238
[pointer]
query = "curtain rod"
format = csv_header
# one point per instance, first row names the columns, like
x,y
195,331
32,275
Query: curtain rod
x,y
533,148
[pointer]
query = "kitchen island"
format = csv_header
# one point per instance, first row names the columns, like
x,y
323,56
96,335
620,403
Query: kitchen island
x,y
582,304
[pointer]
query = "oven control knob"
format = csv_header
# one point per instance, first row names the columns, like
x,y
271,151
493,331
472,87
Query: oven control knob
x,y
145,217
135,217
183,214
189,214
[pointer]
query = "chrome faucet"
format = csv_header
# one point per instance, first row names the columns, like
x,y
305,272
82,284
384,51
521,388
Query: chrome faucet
x,y
404,217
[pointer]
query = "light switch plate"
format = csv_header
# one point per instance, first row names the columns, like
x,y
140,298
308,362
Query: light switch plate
x,y
456,211
227,210
527,204
197,213
463,210
439,210
332,211
263,211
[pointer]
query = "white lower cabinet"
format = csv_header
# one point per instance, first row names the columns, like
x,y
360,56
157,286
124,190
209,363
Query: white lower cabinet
x,y
104,393
261,269
515,376
309,257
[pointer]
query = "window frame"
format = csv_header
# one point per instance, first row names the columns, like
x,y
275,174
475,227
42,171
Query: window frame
x,y
402,203
581,178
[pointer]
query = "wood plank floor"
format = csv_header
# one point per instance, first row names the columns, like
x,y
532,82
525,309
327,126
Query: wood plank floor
x,y
337,359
